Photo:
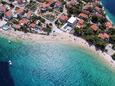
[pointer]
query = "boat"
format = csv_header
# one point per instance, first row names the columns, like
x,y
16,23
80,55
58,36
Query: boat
x,y
9,41
10,62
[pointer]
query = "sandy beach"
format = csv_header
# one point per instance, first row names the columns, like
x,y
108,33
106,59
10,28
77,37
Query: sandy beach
x,y
60,38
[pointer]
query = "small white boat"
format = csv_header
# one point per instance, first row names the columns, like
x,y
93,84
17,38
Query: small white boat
x,y
10,62
9,41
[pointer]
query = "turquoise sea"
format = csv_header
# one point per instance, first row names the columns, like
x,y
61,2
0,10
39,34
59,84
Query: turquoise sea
x,y
109,6
51,64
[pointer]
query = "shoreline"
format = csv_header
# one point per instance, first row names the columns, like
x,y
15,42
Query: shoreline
x,y
63,38
106,14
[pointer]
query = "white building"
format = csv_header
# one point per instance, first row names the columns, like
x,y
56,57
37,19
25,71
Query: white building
x,y
72,21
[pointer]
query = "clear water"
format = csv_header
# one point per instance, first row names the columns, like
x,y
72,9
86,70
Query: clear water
x,y
54,64
110,8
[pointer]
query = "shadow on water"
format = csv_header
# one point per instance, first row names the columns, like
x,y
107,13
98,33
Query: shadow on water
x,y
5,77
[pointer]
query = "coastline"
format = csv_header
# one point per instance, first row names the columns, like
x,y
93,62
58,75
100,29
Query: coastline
x,y
106,13
63,38
104,10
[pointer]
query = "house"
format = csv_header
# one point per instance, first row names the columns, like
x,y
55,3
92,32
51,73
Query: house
x,y
83,15
32,25
23,21
16,26
3,8
29,14
73,2
94,27
98,9
72,21
63,18
44,6
19,11
108,25
80,23
8,14
104,36
98,15
68,27
58,4
20,1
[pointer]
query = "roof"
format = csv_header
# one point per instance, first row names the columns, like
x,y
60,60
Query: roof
x,y
108,25
8,13
103,36
23,21
99,15
19,10
80,23
3,8
97,8
73,2
29,14
45,5
83,15
94,27
32,25
63,17
19,1
58,3
17,26
72,19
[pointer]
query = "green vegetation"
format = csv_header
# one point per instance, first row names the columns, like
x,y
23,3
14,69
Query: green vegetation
x,y
48,29
113,47
41,19
113,56
92,35
32,5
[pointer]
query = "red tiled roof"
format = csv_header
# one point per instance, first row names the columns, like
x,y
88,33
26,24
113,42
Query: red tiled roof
x,y
29,14
99,15
58,3
8,13
19,1
19,10
72,2
108,25
17,26
83,15
80,23
23,21
45,5
63,17
97,8
32,25
3,8
103,36
94,27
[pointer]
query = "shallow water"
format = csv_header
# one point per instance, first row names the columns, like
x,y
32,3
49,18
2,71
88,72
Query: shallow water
x,y
53,64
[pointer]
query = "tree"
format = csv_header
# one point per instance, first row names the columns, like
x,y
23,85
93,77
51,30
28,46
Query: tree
x,y
33,18
99,43
48,30
24,28
113,47
78,31
111,31
112,39
113,56
88,31
32,5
